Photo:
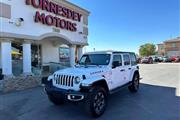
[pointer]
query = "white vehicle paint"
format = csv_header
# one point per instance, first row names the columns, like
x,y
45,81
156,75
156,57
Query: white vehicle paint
x,y
114,77
97,75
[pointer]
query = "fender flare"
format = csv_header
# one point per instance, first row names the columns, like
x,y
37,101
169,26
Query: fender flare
x,y
98,80
135,72
92,80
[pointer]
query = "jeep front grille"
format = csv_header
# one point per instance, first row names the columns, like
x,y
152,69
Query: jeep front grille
x,y
64,80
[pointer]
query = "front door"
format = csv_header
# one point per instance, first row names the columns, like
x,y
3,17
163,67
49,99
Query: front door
x,y
127,67
117,71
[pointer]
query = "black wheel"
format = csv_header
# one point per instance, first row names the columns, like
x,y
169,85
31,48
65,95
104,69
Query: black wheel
x,y
55,100
135,84
97,102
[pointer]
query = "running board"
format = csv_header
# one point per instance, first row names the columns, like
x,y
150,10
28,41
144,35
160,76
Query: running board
x,y
119,88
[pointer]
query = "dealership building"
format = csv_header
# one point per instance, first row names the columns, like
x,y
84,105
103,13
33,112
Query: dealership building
x,y
169,47
40,35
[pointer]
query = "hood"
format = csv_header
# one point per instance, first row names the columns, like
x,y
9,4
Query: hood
x,y
79,70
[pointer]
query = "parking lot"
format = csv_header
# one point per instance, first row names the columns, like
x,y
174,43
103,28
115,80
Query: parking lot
x,y
157,99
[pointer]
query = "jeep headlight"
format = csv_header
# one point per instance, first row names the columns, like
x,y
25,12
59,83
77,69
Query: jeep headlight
x,y
50,77
77,80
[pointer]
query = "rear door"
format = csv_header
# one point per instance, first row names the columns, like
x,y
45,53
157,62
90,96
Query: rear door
x,y
127,67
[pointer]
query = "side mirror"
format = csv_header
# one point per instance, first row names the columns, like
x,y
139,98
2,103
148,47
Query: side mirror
x,y
115,64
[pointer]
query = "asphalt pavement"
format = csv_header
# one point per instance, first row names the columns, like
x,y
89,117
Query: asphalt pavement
x,y
157,99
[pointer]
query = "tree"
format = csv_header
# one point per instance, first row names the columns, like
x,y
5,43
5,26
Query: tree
x,y
147,49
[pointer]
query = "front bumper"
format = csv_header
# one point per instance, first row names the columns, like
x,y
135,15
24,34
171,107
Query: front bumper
x,y
66,95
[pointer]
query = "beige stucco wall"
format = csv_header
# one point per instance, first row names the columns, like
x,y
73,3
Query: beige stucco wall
x,y
32,31
161,50
172,51
169,44
50,52
5,10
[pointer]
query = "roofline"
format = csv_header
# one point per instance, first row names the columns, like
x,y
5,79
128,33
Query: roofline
x,y
108,51
160,44
86,11
124,52
173,40
39,38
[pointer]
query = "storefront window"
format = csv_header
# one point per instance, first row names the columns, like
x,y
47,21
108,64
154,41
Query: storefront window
x,y
36,55
17,59
64,54
36,59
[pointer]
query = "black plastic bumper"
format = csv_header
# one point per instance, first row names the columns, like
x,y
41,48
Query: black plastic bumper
x,y
66,95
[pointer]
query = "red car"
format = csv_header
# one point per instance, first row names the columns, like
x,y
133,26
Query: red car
x,y
173,58
177,59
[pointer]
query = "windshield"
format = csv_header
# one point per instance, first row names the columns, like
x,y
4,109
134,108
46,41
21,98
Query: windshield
x,y
95,59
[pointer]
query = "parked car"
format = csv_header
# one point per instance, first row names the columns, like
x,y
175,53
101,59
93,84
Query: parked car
x,y
155,58
160,59
147,60
93,79
166,59
173,58
138,59
177,59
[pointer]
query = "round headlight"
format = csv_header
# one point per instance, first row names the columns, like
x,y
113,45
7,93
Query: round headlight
x,y
77,80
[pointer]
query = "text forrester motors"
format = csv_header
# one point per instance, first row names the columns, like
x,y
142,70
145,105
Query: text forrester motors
x,y
58,11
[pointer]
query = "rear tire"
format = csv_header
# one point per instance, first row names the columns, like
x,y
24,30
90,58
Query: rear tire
x,y
96,102
134,87
55,100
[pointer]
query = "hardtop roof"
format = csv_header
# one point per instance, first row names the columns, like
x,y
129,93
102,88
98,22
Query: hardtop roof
x,y
108,52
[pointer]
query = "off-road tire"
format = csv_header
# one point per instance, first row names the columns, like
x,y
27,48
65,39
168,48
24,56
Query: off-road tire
x,y
134,87
96,102
55,100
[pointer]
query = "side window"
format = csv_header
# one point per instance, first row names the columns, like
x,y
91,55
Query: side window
x,y
117,58
133,59
126,59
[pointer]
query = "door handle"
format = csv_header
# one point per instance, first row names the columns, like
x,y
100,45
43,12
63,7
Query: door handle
x,y
129,68
122,70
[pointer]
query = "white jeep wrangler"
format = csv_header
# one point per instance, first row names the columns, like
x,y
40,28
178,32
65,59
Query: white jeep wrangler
x,y
97,75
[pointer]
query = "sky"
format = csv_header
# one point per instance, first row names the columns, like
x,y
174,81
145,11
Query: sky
x,y
124,25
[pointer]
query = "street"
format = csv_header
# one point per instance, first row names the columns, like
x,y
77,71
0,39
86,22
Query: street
x,y
157,99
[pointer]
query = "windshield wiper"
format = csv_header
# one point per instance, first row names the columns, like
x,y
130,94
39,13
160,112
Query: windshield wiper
x,y
90,64
95,65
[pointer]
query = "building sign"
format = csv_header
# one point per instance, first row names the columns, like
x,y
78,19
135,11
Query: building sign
x,y
55,20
